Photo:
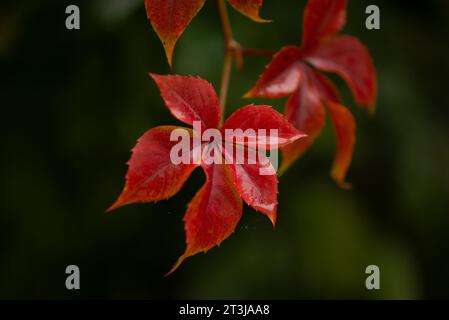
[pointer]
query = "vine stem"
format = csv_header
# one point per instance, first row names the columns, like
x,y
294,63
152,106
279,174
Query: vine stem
x,y
225,79
229,42
232,50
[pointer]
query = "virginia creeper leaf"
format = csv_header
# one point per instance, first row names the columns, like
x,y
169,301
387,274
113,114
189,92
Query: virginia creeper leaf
x,y
281,76
249,8
213,213
348,57
257,190
170,18
293,72
215,210
262,119
305,110
151,174
322,19
345,127
190,99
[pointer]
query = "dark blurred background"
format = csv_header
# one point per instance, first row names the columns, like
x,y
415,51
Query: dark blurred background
x,y
73,104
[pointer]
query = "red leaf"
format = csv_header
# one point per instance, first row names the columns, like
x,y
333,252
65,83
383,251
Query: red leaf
x,y
170,18
281,76
322,19
151,174
213,214
215,210
190,99
260,118
345,127
304,109
348,57
289,74
257,190
249,8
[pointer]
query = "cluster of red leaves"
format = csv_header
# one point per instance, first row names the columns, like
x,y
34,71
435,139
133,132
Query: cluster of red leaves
x,y
216,209
170,18
294,72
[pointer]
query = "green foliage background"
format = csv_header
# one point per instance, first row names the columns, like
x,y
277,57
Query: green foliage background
x,y
73,104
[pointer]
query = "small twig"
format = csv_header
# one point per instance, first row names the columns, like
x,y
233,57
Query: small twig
x,y
225,78
225,24
232,50
229,42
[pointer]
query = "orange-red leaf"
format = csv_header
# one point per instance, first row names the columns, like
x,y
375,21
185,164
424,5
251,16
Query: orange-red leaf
x,y
190,99
290,74
348,57
151,174
281,76
249,8
170,18
345,127
261,119
213,214
322,19
257,184
305,110
215,210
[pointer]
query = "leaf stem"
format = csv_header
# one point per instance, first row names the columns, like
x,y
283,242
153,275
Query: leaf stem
x,y
229,44
232,50
225,79
225,24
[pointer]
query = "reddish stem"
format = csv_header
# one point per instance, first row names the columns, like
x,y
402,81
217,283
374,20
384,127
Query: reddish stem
x,y
232,50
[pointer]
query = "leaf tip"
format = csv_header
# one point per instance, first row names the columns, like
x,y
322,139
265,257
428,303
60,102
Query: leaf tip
x,y
339,178
110,209
176,266
169,47
272,218
117,204
284,167
299,135
261,20
248,95
154,76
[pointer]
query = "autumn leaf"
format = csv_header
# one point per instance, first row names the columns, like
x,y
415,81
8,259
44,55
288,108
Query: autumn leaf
x,y
294,72
216,209
170,18
153,176
249,8
322,19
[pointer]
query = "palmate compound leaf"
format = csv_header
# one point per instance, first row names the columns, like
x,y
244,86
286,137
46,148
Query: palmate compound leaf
x,y
170,18
311,93
216,209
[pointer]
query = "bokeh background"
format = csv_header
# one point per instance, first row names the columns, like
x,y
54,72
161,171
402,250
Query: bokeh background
x,y
73,104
